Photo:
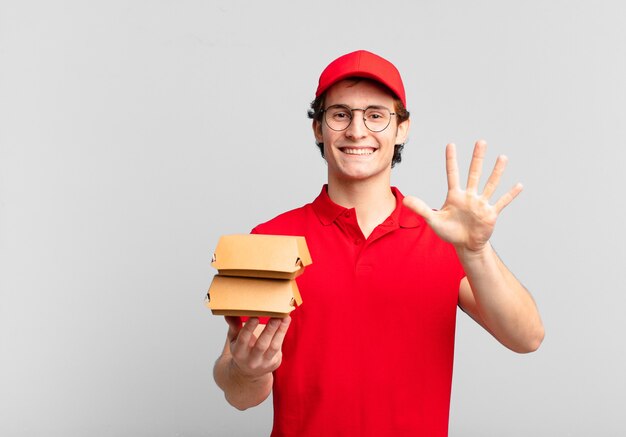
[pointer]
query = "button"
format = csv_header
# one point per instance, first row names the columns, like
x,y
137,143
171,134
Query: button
x,y
346,214
358,241
364,269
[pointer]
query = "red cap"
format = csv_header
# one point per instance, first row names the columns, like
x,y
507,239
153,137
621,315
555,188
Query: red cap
x,y
362,64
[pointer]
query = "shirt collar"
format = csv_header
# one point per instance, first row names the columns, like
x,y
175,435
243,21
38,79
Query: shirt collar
x,y
328,211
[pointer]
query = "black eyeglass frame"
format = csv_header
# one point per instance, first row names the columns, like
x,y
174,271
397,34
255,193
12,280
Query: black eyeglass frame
x,y
323,111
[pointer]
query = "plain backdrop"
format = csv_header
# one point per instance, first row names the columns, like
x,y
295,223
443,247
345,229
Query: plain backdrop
x,y
134,133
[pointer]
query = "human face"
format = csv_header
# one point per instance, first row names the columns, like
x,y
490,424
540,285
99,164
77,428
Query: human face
x,y
357,153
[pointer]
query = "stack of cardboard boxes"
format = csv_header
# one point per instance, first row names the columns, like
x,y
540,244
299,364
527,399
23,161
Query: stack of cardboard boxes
x,y
256,275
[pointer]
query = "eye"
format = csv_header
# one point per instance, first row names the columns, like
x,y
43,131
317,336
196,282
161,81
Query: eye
x,y
376,114
339,113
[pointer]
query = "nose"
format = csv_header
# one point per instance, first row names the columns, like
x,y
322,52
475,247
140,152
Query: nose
x,y
357,128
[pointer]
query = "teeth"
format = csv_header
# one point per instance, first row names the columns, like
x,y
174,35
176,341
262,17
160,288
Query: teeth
x,y
358,151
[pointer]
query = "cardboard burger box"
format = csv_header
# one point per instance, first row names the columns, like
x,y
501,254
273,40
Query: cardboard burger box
x,y
256,275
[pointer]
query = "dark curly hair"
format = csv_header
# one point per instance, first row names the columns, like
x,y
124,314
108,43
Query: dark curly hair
x,y
317,105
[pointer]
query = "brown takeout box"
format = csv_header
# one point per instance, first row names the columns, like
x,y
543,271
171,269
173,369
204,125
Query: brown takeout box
x,y
256,275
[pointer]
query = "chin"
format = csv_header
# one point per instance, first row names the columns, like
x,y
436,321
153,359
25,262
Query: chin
x,y
360,174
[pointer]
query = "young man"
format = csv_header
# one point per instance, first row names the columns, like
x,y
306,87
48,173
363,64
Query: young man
x,y
370,351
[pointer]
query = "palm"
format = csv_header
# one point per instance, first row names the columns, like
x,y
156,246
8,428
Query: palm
x,y
467,219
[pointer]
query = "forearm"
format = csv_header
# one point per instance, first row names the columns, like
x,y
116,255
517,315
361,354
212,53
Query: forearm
x,y
241,391
505,307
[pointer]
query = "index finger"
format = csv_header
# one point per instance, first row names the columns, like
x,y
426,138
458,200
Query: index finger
x,y
508,197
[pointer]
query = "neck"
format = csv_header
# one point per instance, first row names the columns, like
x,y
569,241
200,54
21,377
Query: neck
x,y
373,200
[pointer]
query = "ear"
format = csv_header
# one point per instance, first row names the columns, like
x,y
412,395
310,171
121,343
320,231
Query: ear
x,y
403,131
317,131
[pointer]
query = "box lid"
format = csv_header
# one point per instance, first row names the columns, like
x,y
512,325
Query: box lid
x,y
268,256
233,296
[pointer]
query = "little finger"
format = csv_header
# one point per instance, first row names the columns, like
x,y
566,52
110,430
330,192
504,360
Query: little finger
x,y
452,167
277,341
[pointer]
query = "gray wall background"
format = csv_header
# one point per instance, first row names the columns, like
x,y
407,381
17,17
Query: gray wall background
x,y
134,133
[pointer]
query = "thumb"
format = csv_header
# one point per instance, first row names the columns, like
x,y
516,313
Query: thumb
x,y
234,326
418,206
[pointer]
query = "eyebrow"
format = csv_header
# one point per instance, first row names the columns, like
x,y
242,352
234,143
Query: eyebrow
x,y
367,107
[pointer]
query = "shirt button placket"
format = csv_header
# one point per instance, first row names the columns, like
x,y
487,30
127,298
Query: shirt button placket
x,y
351,221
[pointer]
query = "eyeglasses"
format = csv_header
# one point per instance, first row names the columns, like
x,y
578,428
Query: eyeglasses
x,y
339,117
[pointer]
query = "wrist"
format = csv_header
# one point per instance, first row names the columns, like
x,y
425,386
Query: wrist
x,y
474,255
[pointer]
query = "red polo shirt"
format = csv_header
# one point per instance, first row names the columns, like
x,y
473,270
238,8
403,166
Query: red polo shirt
x,y
370,350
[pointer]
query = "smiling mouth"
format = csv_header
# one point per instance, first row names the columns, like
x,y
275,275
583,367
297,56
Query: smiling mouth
x,y
358,151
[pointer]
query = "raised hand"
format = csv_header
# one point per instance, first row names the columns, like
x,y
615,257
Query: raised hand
x,y
467,219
